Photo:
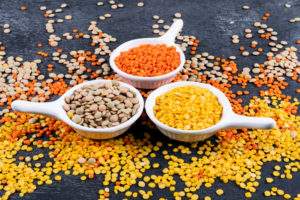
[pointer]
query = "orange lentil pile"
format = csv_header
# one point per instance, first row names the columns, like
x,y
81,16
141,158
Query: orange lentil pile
x,y
149,60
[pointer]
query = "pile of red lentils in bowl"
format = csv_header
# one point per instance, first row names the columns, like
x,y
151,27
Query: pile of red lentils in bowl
x,y
148,60
130,167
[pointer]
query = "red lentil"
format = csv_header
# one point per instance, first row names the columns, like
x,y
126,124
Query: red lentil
x,y
148,60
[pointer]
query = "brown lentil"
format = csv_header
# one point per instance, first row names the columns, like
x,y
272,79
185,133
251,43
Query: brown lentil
x,y
101,106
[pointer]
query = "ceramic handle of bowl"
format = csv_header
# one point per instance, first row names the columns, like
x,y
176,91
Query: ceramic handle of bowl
x,y
170,35
240,121
49,108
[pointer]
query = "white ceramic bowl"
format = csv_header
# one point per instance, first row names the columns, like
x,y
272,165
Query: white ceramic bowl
x,y
56,110
228,120
156,81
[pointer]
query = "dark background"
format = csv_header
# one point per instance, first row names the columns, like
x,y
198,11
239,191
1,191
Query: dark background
x,y
208,20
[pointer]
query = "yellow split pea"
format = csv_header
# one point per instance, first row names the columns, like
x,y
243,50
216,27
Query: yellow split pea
x,y
188,108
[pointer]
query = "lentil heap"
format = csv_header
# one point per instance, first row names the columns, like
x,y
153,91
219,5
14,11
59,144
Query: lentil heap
x,y
101,106
148,60
37,151
188,108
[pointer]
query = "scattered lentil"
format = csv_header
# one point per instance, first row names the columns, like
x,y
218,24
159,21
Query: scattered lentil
x,y
140,4
219,192
68,17
246,7
287,5
177,15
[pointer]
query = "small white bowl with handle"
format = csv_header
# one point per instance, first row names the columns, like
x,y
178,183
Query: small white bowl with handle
x,y
55,109
150,82
229,119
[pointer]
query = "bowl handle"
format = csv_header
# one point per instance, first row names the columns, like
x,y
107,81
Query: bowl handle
x,y
49,108
240,121
170,35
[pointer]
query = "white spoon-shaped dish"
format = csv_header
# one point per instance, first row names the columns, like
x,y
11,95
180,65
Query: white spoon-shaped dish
x,y
55,109
229,119
150,82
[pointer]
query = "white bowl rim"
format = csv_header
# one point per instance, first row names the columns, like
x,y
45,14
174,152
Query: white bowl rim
x,y
224,102
141,41
123,125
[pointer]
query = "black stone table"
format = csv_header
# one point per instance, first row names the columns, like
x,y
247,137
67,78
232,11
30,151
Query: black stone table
x,y
212,21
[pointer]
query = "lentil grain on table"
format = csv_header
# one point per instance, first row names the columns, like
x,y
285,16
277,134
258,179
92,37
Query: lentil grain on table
x,y
278,72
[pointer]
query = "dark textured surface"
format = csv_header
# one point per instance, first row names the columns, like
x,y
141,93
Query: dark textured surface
x,y
210,20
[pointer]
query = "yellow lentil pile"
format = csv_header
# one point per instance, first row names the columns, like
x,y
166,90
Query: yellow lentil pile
x,y
124,162
188,108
